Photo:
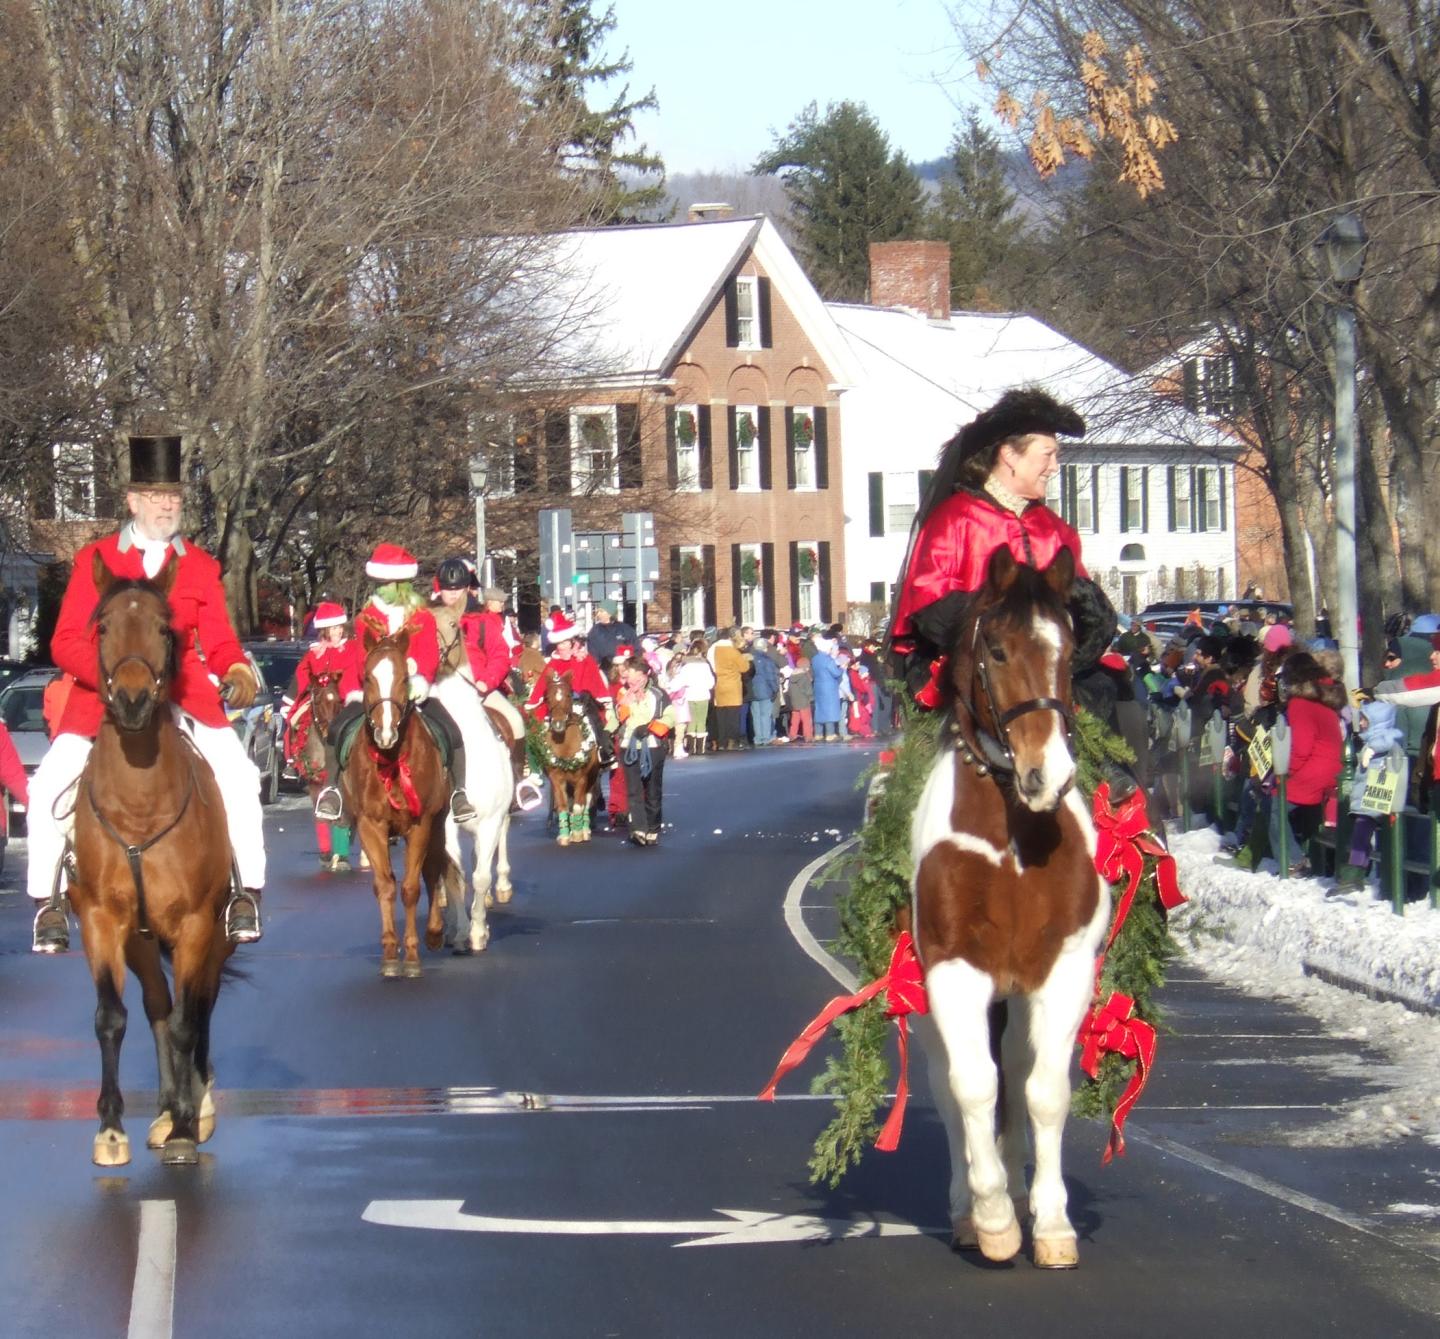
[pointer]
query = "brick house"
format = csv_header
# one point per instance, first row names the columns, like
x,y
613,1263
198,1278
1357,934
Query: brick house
x,y
1151,488
701,382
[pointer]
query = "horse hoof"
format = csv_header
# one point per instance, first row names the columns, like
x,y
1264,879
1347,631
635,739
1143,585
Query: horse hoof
x,y
434,940
411,971
112,1149
390,968
999,1246
461,950
963,1237
480,945
1056,1253
488,899
180,1153
207,1113
159,1131
562,841
504,893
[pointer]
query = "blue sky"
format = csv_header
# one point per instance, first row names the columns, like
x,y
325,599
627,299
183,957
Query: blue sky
x,y
722,91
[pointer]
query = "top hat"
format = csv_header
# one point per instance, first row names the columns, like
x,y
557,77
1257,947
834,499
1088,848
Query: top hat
x,y
155,462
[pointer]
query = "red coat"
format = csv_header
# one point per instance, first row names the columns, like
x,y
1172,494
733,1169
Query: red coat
x,y
585,677
198,617
344,658
12,771
385,620
1316,743
954,546
486,648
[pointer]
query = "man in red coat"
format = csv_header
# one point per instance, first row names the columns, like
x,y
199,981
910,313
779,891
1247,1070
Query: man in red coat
x,y
148,543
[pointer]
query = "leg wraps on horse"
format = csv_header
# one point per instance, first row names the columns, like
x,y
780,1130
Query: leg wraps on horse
x,y
52,789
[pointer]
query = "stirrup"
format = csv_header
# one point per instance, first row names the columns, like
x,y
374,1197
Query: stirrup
x,y
329,804
242,916
528,793
53,937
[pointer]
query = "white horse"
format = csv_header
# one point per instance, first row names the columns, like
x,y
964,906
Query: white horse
x,y
490,783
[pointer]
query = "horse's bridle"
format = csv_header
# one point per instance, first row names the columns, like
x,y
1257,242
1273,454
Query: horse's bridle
x,y
998,753
107,676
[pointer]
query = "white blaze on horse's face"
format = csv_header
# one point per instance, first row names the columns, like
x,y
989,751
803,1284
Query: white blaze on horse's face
x,y
1042,751
386,734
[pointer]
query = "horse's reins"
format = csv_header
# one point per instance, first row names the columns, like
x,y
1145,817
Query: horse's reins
x,y
998,752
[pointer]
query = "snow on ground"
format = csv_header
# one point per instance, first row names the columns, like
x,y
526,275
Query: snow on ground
x,y
1259,933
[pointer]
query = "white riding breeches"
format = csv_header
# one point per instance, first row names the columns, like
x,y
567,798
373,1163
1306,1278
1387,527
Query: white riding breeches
x,y
51,815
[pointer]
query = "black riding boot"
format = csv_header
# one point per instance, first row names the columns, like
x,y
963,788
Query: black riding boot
x,y
460,806
330,801
603,742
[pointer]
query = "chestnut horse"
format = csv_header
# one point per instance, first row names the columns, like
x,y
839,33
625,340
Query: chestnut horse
x,y
152,871
571,759
1007,906
394,782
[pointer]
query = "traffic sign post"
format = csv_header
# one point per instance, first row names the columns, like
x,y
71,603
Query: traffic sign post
x,y
557,556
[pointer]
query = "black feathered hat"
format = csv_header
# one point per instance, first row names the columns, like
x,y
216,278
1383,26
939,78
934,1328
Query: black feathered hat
x,y
1015,414
155,462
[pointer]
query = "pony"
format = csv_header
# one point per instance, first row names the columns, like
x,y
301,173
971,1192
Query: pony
x,y
152,872
1008,910
394,782
305,734
489,784
571,759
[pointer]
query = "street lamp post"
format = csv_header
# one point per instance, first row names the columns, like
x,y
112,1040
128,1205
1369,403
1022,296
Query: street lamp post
x,y
1343,243
478,475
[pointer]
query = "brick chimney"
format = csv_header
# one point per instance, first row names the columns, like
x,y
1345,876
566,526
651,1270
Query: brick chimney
x,y
915,275
708,211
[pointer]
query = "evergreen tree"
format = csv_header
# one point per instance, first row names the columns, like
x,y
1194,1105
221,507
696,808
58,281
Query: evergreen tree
x,y
624,185
847,188
975,214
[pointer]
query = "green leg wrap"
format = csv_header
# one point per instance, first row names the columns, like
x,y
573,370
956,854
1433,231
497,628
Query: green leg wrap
x,y
564,824
582,821
340,840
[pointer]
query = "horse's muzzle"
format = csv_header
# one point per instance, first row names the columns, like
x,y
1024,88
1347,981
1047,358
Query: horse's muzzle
x,y
133,713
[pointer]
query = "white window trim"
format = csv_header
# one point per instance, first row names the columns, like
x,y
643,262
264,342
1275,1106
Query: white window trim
x,y
749,283
1085,485
693,451
583,480
74,464
902,494
754,451
756,618
1185,515
494,438
807,411
697,552
812,586
1135,482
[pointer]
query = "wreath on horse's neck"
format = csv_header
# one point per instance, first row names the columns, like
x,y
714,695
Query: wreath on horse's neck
x,y
550,761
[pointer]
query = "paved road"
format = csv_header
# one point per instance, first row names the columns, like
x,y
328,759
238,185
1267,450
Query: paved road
x,y
593,1068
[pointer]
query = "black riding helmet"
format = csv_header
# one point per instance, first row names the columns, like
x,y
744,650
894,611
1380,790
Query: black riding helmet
x,y
454,574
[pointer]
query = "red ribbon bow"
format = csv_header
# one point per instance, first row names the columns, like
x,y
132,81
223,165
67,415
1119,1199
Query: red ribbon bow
x,y
1112,1026
395,772
1123,840
904,984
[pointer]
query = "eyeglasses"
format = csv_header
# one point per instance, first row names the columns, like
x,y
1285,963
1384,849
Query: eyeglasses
x,y
157,495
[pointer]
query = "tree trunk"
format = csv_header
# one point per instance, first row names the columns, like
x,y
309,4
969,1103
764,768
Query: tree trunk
x,y
1284,478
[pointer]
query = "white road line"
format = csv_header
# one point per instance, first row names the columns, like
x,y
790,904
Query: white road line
x,y
152,1304
795,917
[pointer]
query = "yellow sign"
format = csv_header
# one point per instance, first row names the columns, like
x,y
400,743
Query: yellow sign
x,y
1382,792
1262,752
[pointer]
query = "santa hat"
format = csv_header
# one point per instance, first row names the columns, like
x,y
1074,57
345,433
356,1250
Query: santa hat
x,y
560,628
623,652
390,562
329,614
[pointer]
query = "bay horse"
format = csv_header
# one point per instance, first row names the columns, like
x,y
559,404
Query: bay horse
x,y
1007,907
394,781
305,734
489,783
571,759
152,872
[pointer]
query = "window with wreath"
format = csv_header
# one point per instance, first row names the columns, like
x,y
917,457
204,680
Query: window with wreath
x,y
687,448
807,581
752,595
692,587
802,445
594,463
747,446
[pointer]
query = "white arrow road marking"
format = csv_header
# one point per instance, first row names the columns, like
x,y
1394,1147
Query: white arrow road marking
x,y
737,1227
152,1303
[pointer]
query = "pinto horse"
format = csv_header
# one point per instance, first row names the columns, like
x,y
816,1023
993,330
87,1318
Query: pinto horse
x,y
152,872
571,759
1007,907
395,782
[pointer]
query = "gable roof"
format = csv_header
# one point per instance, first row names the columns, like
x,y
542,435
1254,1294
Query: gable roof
x,y
629,299
947,371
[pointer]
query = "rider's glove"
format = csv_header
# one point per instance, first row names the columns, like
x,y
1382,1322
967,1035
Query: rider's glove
x,y
238,686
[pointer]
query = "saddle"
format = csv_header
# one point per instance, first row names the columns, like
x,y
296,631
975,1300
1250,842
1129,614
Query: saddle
x,y
350,731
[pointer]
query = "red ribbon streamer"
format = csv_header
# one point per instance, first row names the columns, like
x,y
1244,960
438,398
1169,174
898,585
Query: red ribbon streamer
x,y
393,772
904,984
1113,1027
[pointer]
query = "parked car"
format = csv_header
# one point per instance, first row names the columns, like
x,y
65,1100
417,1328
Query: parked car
x,y
23,711
259,726
277,662
11,669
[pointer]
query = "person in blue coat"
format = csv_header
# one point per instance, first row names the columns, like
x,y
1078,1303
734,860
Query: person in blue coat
x,y
826,672
764,686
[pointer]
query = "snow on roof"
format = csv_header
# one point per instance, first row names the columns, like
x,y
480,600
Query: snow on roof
x,y
954,368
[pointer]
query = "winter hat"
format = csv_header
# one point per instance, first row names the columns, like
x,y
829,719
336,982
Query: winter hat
x,y
560,628
329,614
390,562
1277,635
493,593
824,644
1393,649
1016,413
623,652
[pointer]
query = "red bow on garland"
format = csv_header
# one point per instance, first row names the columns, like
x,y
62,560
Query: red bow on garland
x,y
904,984
1123,840
395,772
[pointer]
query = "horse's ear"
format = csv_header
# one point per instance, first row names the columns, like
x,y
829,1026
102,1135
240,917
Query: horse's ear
x,y
165,582
1060,575
101,574
368,636
402,640
1000,575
